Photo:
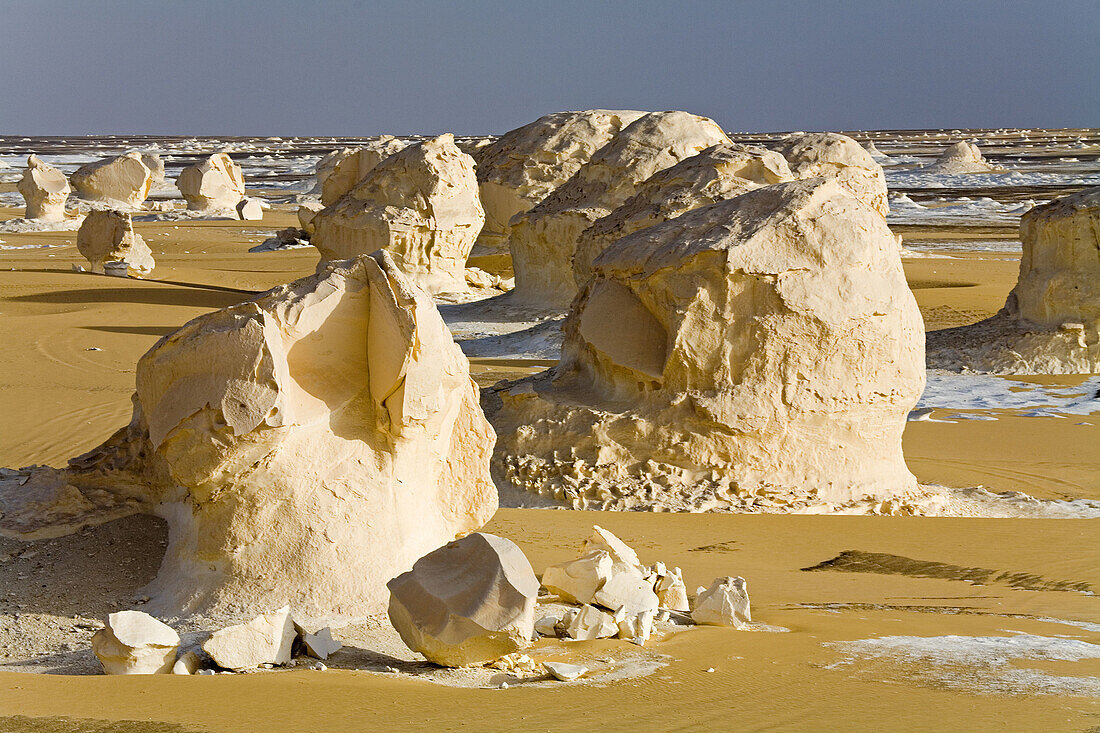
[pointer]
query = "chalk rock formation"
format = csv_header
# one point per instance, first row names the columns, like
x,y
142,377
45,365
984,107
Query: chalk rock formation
x,y
250,209
760,353
280,437
320,645
472,600
578,580
724,603
266,639
45,190
523,166
420,204
671,590
215,184
133,642
108,241
962,157
592,623
121,181
155,165
720,172
543,239
1050,323
306,212
832,155
339,171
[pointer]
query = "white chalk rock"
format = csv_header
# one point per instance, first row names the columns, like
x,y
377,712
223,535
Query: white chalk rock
x,y
122,181
321,644
832,155
155,165
760,353
420,204
108,241
628,591
306,212
215,184
962,157
266,639
592,623
622,555
718,173
470,601
44,189
187,663
547,625
543,239
724,603
564,671
340,171
521,167
250,209
636,627
578,580
671,591
134,642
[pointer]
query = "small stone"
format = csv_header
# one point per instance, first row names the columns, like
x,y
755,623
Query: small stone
x,y
206,671
135,643
187,663
321,644
250,209
547,625
565,672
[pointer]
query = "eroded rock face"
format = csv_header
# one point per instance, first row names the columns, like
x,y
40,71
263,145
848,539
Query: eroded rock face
x,y
720,172
339,171
832,155
108,240
215,184
760,353
304,447
1051,321
45,190
123,180
520,168
470,601
133,642
543,239
420,205
962,157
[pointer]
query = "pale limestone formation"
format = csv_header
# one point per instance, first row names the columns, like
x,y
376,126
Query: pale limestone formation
x,y
155,165
520,168
832,155
44,189
306,212
760,353
962,157
214,184
108,241
320,645
266,639
420,204
470,601
578,580
120,181
718,173
592,623
1050,323
724,603
340,171
279,438
250,209
671,590
133,642
543,239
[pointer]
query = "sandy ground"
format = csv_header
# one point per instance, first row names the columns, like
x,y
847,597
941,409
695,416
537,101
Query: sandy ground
x,y
70,342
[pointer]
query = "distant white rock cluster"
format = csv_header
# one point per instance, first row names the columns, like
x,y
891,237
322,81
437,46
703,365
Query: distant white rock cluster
x,y
962,157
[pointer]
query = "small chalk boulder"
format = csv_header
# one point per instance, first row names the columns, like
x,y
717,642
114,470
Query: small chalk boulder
x,y
724,603
214,184
250,209
266,639
578,580
108,240
592,623
320,645
45,190
134,642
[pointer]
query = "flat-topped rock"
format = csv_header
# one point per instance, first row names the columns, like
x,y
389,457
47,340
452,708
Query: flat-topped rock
x,y
121,181
133,642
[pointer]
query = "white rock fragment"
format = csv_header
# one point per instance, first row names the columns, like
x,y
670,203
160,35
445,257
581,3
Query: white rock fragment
x,y
321,644
671,591
187,663
622,555
214,184
520,665
547,625
635,627
724,603
628,591
108,240
592,623
250,209
578,580
133,642
121,181
564,671
306,212
44,189
268,638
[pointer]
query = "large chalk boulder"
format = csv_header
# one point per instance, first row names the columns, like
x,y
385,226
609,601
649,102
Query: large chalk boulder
x,y
832,155
108,241
44,189
122,181
133,642
520,168
760,353
1051,320
340,170
962,157
470,601
720,172
419,204
543,239
213,184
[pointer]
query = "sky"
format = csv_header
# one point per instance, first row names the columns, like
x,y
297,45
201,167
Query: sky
x,y
311,67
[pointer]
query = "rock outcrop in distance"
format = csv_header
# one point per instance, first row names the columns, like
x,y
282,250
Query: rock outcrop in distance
x,y
832,155
543,239
44,189
305,447
123,181
108,241
213,184
962,157
1050,323
419,204
758,354
339,171
522,167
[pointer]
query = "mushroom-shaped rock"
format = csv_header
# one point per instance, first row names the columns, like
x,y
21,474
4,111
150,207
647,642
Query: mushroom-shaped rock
x,y
470,601
759,352
266,639
962,157
213,184
543,239
267,431
1051,321
339,171
521,167
122,181
44,189
419,204
133,642
832,155
720,172
108,240
724,603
